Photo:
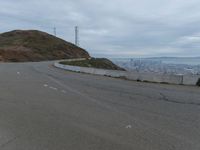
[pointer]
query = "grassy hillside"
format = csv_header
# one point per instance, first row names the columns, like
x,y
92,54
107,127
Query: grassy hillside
x,y
32,45
102,63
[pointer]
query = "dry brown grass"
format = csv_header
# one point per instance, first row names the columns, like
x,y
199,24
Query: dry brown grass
x,y
32,45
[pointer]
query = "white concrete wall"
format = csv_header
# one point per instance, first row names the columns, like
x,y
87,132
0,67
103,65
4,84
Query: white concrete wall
x,y
153,77
75,59
190,79
149,77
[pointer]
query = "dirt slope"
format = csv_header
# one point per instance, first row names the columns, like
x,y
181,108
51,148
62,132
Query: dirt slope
x,y
33,45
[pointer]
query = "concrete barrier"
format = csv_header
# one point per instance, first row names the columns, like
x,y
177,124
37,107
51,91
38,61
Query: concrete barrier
x,y
148,77
75,59
153,77
190,79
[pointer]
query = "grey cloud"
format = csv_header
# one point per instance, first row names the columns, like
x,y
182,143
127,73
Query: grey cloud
x,y
115,27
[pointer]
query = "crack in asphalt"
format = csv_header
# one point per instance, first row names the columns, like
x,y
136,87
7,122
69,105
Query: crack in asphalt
x,y
9,141
162,98
165,98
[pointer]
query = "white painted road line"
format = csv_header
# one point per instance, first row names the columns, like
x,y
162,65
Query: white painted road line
x,y
53,88
45,85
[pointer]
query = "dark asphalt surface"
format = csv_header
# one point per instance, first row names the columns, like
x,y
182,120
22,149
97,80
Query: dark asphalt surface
x,y
45,108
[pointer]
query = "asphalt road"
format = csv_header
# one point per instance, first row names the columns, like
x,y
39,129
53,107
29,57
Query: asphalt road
x,y
45,108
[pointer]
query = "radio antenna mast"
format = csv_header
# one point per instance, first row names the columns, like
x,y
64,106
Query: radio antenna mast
x,y
54,31
76,36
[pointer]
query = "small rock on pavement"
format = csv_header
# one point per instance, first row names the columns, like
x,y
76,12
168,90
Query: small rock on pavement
x,y
128,126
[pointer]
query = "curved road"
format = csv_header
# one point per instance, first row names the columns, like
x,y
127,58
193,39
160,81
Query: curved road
x,y
45,108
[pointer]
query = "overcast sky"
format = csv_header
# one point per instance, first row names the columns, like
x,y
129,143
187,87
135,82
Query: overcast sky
x,y
117,28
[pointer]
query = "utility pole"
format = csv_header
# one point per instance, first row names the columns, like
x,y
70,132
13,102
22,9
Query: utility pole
x,y
76,36
54,31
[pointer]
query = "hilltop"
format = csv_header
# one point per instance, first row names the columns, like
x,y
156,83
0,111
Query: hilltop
x,y
33,45
101,63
